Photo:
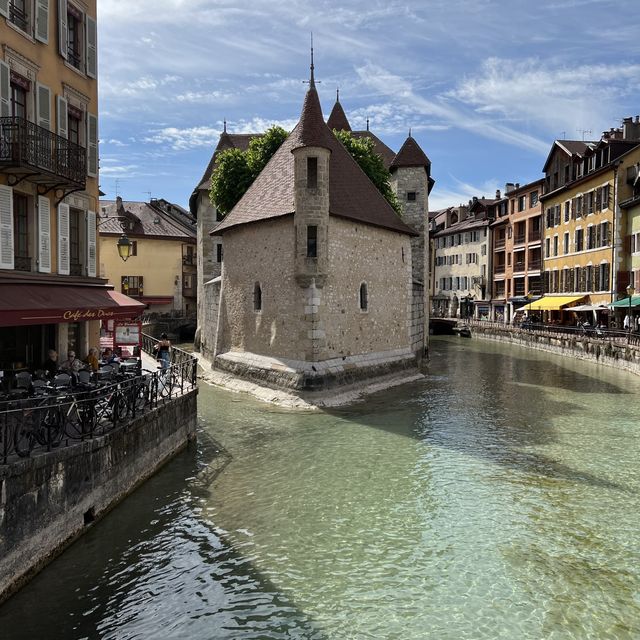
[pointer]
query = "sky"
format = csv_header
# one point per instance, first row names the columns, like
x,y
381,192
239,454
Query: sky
x,y
485,86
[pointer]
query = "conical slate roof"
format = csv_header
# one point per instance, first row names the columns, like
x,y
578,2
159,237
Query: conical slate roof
x,y
338,119
351,194
410,155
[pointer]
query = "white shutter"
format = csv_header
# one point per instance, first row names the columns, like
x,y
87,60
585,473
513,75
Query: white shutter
x,y
92,47
5,90
92,145
42,21
4,8
6,227
63,43
44,235
43,106
91,244
63,118
64,266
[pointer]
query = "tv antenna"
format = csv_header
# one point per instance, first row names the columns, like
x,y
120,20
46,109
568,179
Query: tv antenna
x,y
149,194
583,132
117,187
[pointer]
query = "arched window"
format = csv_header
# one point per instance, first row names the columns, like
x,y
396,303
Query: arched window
x,y
364,297
257,297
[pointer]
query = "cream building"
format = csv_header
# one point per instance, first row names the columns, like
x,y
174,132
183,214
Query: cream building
x,y
51,295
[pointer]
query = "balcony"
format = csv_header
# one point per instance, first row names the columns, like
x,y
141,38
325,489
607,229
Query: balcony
x,y
535,265
499,244
535,235
520,239
499,268
28,151
518,266
22,263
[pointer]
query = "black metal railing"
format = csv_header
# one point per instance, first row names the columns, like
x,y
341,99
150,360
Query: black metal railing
x,y
61,418
22,263
18,16
25,144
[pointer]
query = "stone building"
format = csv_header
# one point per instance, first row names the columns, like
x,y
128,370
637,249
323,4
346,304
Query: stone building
x,y
321,277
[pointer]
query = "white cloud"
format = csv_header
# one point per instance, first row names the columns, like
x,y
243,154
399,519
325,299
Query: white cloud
x,y
551,98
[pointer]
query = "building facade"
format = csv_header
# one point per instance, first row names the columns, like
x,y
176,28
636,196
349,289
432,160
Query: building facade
x,y
585,230
462,263
50,294
517,249
161,271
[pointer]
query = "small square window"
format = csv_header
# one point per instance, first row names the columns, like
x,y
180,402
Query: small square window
x,y
411,196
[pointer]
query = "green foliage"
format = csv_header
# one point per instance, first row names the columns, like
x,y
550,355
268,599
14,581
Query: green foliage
x,y
236,170
363,151
231,178
262,149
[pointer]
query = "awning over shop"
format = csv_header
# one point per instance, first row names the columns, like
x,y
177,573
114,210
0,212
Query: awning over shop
x,y
590,307
22,304
552,303
621,304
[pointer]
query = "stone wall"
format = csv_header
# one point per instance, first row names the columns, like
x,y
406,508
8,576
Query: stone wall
x,y
417,318
613,354
264,254
48,500
382,259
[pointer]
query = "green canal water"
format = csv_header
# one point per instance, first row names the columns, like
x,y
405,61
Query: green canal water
x,y
498,498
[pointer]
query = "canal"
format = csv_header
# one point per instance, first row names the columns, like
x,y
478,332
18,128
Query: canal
x,y
498,498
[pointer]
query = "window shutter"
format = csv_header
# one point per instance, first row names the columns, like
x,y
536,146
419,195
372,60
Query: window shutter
x,y
92,48
92,145
6,227
42,21
44,231
63,118
63,43
91,244
63,240
4,8
5,90
43,99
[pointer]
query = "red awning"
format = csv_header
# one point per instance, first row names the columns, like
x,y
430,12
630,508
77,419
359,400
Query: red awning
x,y
51,304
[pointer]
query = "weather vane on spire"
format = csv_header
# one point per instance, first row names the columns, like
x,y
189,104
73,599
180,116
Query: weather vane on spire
x,y
312,81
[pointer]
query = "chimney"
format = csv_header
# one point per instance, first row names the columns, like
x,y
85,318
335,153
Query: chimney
x,y
517,185
631,129
498,196
509,187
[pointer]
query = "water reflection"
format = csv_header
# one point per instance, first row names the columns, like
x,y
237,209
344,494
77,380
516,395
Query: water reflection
x,y
496,499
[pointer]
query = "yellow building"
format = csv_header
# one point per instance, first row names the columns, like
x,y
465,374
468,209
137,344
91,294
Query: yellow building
x,y
50,295
161,272
584,226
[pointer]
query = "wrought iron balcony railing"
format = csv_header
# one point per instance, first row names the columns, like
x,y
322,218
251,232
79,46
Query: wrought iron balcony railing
x,y
22,263
48,158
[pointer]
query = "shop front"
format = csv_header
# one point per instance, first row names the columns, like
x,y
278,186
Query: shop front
x,y
35,318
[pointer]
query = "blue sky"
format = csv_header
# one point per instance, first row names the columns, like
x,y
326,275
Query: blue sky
x,y
485,86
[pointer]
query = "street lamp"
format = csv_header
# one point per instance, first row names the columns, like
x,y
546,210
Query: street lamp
x,y
630,291
124,247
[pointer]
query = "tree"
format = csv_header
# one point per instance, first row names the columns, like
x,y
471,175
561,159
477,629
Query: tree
x,y
363,151
262,148
236,170
230,180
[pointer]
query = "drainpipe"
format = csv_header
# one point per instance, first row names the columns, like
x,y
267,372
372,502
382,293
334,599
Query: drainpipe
x,y
616,211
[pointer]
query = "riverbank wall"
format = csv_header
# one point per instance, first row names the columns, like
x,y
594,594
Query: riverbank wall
x,y
612,353
49,499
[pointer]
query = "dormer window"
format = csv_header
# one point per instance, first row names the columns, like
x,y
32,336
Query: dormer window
x,y
312,172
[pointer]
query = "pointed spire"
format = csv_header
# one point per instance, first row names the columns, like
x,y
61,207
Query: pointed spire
x,y
224,129
337,94
367,123
411,155
409,131
312,80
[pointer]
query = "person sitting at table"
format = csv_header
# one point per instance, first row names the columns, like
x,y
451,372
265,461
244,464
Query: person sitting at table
x,y
92,359
72,364
51,363
109,357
